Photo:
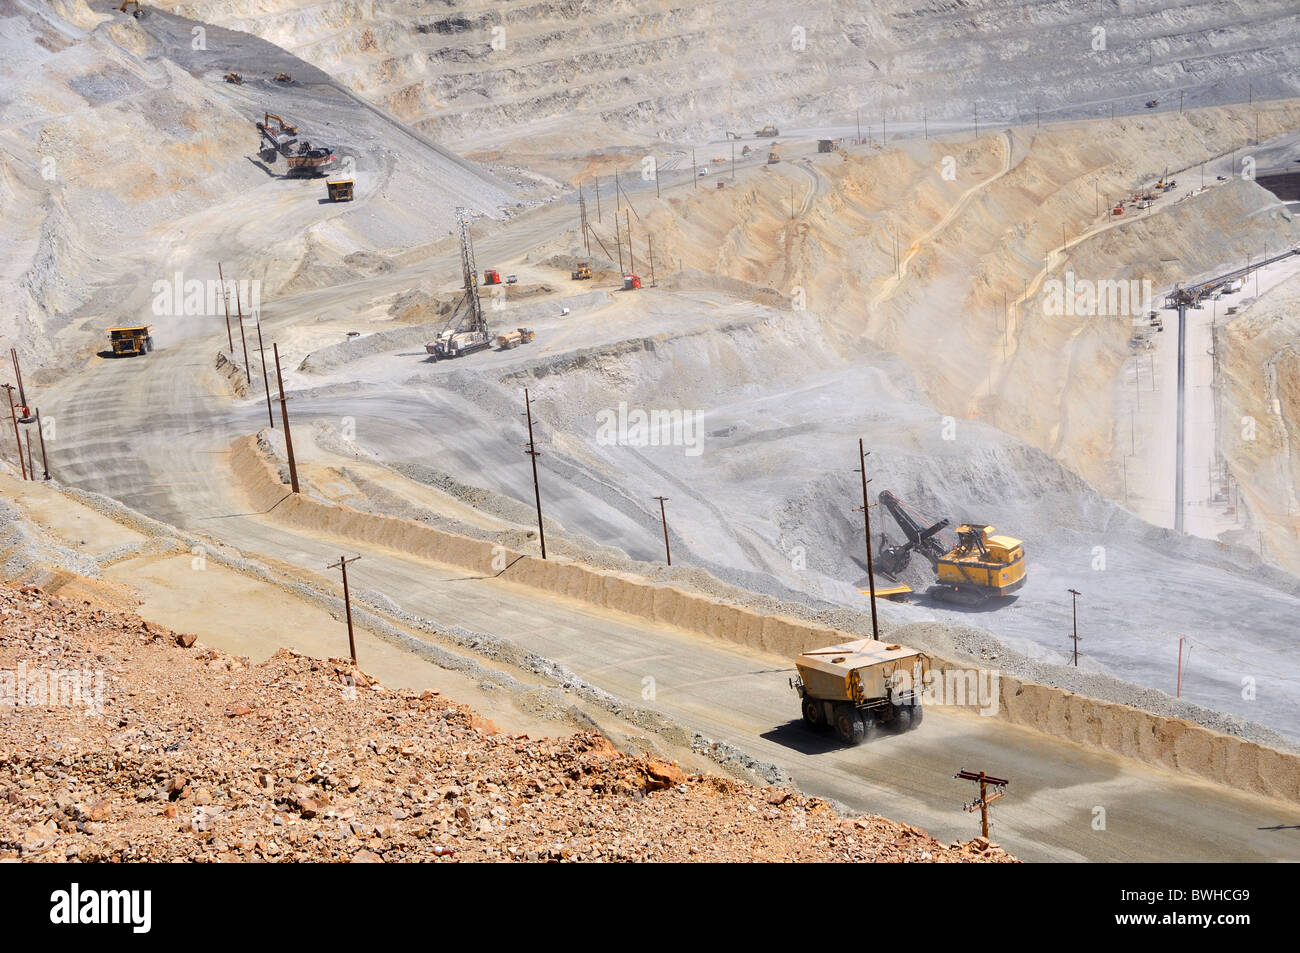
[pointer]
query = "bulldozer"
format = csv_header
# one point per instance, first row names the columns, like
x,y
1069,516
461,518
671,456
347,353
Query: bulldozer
x,y
130,341
582,272
980,566
767,132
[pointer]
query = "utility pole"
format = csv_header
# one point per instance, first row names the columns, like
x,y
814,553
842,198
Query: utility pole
x,y
617,197
1180,427
985,799
342,564
13,414
1074,599
40,432
598,218
866,529
695,170
1181,640
31,468
225,301
248,374
650,240
582,216
977,122
631,257
668,554
618,243
533,452
284,417
25,410
265,385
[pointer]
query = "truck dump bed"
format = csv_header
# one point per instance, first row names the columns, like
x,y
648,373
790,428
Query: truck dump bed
x,y
856,671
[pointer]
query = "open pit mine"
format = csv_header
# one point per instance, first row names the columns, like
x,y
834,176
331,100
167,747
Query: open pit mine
x,y
650,431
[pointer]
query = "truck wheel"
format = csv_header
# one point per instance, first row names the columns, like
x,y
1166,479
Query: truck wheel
x,y
812,713
917,711
849,726
901,718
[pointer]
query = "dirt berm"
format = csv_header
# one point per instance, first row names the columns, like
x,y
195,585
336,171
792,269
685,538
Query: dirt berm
x,y
1171,743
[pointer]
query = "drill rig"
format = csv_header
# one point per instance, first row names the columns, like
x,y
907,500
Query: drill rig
x,y
467,331
979,567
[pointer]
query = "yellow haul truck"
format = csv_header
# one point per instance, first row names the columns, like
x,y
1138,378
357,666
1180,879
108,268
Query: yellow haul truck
x,y
855,686
130,341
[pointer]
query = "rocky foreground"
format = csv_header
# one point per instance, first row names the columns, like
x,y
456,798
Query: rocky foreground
x,y
123,741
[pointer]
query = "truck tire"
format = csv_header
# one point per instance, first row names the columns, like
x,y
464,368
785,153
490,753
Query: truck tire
x,y
901,718
812,713
918,710
849,726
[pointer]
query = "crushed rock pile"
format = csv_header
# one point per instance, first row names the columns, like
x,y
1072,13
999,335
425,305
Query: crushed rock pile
x,y
175,751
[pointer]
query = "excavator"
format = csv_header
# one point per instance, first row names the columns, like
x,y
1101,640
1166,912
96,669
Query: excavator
x,y
979,567
279,138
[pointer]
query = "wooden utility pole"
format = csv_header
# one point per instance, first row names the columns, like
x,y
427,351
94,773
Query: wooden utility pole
x,y
985,799
225,301
631,256
342,564
1074,599
265,384
866,529
13,414
248,373
533,452
1181,640
650,240
668,553
40,432
284,418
